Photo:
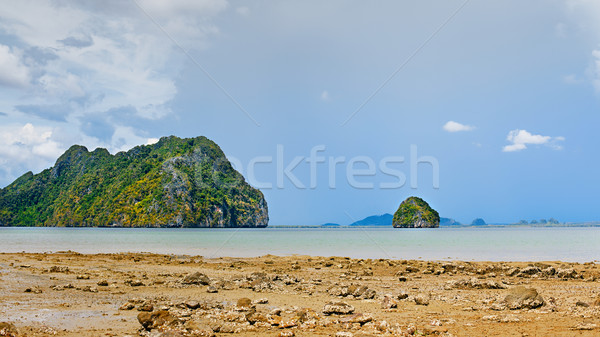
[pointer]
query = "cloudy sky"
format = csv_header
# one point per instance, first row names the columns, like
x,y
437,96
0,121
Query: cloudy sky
x,y
502,97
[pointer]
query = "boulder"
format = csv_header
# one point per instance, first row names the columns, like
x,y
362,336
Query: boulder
x,y
359,318
196,278
8,330
422,299
244,302
523,298
566,273
199,329
388,302
153,320
338,308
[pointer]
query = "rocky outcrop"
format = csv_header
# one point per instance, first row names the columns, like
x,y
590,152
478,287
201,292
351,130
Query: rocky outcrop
x,y
414,212
523,298
173,183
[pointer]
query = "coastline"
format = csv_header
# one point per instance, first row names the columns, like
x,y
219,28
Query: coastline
x,y
72,294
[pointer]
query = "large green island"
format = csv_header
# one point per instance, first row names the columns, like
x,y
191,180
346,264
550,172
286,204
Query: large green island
x,y
173,183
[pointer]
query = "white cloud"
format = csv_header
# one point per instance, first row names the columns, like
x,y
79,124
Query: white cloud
x,y
25,148
585,17
151,141
119,56
72,60
325,95
521,138
13,72
452,126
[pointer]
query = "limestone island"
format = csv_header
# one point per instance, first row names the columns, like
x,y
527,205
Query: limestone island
x,y
173,183
415,212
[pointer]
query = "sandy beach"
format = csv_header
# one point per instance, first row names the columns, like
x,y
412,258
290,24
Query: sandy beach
x,y
71,294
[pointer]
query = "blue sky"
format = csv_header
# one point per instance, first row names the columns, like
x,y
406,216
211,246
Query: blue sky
x,y
505,97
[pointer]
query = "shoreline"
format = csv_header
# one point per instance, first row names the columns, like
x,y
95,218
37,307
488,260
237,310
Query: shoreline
x,y
464,244
73,294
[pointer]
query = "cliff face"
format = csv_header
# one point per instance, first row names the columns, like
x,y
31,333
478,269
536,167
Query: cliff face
x,y
173,183
415,212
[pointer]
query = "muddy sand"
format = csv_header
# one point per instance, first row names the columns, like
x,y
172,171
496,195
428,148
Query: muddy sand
x,y
70,294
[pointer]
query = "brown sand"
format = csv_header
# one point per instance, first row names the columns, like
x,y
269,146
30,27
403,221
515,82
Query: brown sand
x,y
62,295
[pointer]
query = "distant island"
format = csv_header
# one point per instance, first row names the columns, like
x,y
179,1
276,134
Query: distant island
x,y
415,212
173,183
386,220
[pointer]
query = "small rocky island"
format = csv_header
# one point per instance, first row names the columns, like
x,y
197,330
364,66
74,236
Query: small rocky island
x,y
173,183
415,212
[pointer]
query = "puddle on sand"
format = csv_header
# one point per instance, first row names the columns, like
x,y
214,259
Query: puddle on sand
x,y
60,319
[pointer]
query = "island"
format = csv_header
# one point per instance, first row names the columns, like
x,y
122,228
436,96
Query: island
x,y
172,183
415,212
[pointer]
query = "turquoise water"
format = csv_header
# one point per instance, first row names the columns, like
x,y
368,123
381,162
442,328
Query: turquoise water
x,y
490,244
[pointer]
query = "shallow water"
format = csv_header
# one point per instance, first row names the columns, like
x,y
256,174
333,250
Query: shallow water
x,y
489,244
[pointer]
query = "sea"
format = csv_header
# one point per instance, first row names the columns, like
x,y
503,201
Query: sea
x,y
572,244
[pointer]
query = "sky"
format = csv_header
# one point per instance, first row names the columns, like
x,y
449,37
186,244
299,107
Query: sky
x,y
336,110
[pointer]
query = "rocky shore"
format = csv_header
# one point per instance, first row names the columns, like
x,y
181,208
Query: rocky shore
x,y
70,294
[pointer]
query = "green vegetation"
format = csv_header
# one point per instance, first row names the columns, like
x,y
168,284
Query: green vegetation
x,y
175,183
414,212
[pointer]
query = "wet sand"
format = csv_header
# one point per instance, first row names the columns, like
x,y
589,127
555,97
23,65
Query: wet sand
x,y
71,294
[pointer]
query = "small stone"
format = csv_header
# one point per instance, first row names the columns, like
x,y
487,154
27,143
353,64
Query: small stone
x,y
275,312
8,330
436,322
585,326
337,308
196,278
344,334
388,302
402,295
287,333
134,283
422,299
523,298
261,301
211,290
127,306
83,277
58,269
582,304
102,283
359,318
192,304
90,289
566,273
198,329
146,307
156,319
244,302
